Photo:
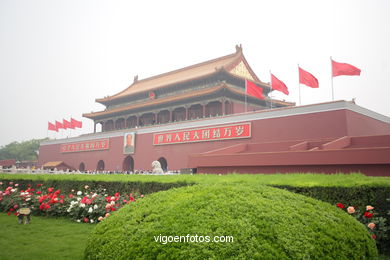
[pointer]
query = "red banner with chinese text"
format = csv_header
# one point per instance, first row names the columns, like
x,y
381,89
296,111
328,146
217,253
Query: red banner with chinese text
x,y
93,145
204,134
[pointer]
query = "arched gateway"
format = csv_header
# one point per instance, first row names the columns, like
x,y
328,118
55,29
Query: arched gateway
x,y
100,166
128,164
164,163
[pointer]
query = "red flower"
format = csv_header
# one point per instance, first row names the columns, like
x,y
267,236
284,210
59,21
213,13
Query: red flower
x,y
373,236
50,190
340,205
12,209
39,185
44,206
117,194
62,196
39,192
86,220
368,214
132,198
9,213
71,196
16,206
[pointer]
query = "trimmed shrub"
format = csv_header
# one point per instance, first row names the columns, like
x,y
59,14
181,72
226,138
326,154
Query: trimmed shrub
x,y
265,223
358,197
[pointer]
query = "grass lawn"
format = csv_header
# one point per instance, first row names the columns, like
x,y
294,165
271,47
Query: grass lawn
x,y
296,179
44,238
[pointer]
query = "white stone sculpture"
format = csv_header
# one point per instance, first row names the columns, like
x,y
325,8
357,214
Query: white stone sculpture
x,y
157,167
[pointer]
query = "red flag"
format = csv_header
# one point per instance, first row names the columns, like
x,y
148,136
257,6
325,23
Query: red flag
x,y
67,124
76,123
52,127
253,90
339,69
59,125
279,85
307,78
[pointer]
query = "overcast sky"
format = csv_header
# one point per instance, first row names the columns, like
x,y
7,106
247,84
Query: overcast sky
x,y
56,57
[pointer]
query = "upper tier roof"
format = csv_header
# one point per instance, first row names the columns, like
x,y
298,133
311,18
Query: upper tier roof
x,y
234,63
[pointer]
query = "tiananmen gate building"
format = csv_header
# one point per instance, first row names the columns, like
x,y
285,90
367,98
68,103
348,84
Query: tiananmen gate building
x,y
199,117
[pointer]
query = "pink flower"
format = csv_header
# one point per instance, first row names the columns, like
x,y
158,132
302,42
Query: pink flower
x,y
11,183
16,206
86,220
107,215
144,196
371,225
368,208
100,218
50,189
351,210
16,185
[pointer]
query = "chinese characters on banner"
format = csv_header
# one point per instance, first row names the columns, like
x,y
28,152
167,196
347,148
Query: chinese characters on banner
x,y
100,144
204,134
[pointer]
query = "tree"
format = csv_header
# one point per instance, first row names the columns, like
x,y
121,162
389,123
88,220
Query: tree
x,y
21,151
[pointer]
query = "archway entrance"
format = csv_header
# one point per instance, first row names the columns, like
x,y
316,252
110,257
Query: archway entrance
x,y
82,167
128,164
100,166
164,164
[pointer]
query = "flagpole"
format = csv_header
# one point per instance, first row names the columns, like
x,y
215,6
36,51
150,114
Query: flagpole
x,y
331,65
299,87
271,86
246,104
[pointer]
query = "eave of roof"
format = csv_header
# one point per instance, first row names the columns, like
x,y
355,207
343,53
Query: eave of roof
x,y
183,75
172,98
53,164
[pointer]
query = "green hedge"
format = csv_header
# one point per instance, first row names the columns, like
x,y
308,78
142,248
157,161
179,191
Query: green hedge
x,y
291,179
266,223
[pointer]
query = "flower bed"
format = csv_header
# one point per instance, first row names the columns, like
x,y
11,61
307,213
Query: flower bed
x,y
86,205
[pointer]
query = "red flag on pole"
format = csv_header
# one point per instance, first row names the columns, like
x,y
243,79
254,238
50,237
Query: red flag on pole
x,y
307,79
76,123
52,127
339,69
279,85
253,90
67,124
59,125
